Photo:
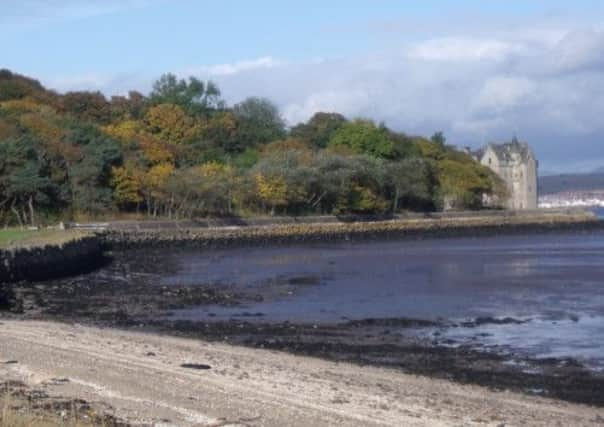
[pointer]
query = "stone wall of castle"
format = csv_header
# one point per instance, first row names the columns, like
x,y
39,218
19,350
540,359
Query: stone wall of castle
x,y
516,165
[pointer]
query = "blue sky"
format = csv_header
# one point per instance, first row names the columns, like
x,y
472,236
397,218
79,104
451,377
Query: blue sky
x,y
480,70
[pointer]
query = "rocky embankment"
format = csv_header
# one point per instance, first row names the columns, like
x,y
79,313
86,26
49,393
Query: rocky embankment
x,y
81,254
274,234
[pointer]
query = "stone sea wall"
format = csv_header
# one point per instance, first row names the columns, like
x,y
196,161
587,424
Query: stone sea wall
x,y
86,253
51,261
255,235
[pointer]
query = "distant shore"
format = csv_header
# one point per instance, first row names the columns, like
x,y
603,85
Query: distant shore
x,y
140,235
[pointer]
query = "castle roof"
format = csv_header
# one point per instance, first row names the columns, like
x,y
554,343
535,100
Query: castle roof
x,y
505,152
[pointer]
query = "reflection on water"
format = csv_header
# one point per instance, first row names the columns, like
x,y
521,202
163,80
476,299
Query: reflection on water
x,y
542,337
549,277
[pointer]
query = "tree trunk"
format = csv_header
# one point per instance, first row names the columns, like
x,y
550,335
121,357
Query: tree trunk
x,y
24,215
32,217
16,212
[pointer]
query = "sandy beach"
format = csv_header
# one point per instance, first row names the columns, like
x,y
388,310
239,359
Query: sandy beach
x,y
140,378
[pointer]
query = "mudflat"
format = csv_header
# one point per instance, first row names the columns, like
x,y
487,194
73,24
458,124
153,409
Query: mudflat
x,y
147,378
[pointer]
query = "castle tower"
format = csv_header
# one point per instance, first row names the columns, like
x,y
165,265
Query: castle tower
x,y
515,163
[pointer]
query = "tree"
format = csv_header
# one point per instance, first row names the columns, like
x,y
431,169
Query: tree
x,y
403,146
463,184
363,137
320,128
350,184
170,123
194,96
24,182
154,188
128,108
411,184
127,185
90,174
287,168
87,106
259,122
272,190
439,139
16,86
219,132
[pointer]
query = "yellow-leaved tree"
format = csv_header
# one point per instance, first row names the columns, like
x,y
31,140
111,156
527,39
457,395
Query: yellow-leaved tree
x,y
127,185
272,191
170,123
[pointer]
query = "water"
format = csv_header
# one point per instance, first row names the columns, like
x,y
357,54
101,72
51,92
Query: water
x,y
599,212
554,282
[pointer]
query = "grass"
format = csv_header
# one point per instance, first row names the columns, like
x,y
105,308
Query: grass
x,y
15,238
14,414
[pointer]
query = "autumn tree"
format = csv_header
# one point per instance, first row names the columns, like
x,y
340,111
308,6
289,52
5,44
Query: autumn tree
x,y
15,86
87,106
170,123
128,108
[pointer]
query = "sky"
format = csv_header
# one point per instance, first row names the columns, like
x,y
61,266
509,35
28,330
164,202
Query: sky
x,y
480,71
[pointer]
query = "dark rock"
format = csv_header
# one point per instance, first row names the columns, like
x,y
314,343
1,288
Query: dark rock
x,y
196,366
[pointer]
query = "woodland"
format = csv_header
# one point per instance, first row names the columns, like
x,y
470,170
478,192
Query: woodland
x,y
181,152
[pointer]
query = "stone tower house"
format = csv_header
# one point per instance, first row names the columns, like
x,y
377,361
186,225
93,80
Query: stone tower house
x,y
515,163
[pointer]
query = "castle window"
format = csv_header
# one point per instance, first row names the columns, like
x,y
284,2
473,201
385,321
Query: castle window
x,y
490,160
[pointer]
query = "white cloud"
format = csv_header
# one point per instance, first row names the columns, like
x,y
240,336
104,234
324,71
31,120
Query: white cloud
x,y
503,93
17,14
545,86
265,62
464,49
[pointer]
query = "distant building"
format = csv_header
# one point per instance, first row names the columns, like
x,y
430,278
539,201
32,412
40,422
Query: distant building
x,y
515,163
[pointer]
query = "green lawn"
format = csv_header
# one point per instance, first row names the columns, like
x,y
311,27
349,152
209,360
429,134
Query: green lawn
x,y
25,238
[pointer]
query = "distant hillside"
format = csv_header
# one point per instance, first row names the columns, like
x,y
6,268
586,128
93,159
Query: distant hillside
x,y
578,182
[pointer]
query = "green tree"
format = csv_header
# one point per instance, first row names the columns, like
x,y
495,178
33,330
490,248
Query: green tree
x,y
363,137
90,174
411,184
24,178
194,96
319,129
259,122
439,139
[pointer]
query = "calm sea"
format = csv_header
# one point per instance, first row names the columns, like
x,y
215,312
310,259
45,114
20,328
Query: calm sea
x,y
555,282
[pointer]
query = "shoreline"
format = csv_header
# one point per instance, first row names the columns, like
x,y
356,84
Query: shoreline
x,y
124,298
143,378
393,229
82,250
127,295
